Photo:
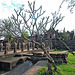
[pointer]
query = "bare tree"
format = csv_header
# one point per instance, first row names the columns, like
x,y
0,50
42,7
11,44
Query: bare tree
x,y
8,29
31,20
5,28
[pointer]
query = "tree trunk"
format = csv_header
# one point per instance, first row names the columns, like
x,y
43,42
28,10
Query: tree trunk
x,y
50,68
50,59
66,46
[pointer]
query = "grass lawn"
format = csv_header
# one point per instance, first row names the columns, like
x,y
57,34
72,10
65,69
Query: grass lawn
x,y
57,50
63,69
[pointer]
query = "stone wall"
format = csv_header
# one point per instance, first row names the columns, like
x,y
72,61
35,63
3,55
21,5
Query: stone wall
x,y
59,45
58,57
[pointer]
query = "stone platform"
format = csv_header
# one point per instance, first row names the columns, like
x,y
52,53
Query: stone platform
x,y
8,63
59,57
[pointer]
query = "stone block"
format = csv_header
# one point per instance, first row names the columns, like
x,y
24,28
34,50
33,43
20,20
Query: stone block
x,y
60,57
8,63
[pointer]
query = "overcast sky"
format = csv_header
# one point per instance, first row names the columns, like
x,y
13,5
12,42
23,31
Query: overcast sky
x,y
7,8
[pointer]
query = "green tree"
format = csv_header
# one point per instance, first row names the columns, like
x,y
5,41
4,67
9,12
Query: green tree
x,y
26,34
8,37
65,36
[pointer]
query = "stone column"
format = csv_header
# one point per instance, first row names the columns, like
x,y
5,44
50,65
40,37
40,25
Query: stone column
x,y
15,47
22,46
33,46
1,46
19,46
28,46
6,48
25,45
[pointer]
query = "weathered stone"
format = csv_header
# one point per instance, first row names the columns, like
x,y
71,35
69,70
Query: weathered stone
x,y
59,45
19,46
33,46
28,46
9,63
1,46
37,54
6,48
23,46
15,47
60,57
34,69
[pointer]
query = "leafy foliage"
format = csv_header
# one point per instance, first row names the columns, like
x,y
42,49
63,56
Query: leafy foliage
x,y
65,36
26,34
8,37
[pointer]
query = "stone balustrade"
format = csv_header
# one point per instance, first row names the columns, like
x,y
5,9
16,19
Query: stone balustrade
x,y
1,46
16,46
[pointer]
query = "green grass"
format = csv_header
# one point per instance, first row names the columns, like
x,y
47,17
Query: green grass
x,y
71,58
63,69
57,50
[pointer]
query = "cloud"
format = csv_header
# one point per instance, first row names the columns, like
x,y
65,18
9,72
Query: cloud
x,y
7,7
10,4
14,3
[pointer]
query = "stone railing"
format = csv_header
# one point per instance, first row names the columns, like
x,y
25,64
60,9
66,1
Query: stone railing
x,y
16,46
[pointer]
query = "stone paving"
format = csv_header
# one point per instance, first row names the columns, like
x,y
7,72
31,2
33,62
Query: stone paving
x,y
20,69
34,69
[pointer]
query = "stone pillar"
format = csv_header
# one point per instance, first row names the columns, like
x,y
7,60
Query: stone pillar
x,y
19,46
15,47
36,46
22,46
33,46
25,46
28,46
6,48
50,45
1,46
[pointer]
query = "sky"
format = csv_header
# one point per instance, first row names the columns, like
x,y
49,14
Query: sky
x,y
7,9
